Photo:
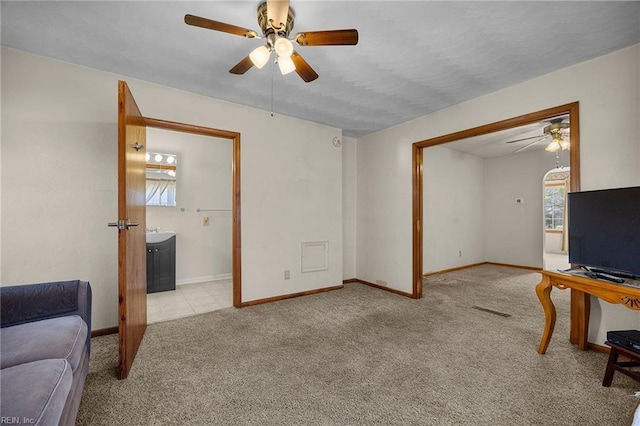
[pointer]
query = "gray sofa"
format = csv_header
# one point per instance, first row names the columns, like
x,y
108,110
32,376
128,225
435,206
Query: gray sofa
x,y
45,340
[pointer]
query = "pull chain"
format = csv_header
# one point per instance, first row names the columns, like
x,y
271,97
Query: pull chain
x,y
272,66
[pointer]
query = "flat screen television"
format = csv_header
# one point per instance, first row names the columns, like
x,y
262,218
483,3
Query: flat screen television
x,y
604,229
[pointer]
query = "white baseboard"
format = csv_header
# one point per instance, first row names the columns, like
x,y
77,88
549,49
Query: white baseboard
x,y
196,280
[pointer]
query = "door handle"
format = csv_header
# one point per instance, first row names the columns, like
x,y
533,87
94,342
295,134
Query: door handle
x,y
121,224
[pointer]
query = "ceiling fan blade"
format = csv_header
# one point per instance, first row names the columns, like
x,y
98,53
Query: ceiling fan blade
x,y
277,13
525,139
327,38
540,139
209,24
242,66
303,69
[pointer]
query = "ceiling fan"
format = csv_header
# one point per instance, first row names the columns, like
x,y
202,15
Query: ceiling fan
x,y
557,130
275,18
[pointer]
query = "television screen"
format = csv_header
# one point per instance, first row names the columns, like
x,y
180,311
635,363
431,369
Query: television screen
x,y
604,229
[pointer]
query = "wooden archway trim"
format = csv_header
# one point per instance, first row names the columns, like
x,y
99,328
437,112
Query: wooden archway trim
x,y
571,109
236,252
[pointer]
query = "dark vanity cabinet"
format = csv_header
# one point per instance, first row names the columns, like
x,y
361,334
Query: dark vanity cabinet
x,y
161,266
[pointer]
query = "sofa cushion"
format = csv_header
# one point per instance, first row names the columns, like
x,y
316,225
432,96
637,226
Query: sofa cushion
x,y
36,392
63,337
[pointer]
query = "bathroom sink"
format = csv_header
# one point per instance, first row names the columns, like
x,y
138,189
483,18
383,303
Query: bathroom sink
x,y
160,236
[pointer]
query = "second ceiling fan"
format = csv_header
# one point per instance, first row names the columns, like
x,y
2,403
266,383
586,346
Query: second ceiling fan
x,y
557,131
275,18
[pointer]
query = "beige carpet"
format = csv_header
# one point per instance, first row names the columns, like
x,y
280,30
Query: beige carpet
x,y
362,356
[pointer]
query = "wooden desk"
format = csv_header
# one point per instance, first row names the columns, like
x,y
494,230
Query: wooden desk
x,y
582,287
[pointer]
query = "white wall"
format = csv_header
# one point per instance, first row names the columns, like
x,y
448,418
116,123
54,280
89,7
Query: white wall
x,y
349,191
384,224
59,121
59,145
608,91
514,232
469,205
203,253
453,209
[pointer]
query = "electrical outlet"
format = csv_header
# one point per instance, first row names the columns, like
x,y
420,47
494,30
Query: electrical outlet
x,y
519,200
459,253
287,274
205,221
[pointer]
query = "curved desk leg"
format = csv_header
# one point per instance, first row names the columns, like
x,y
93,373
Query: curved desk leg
x,y
543,290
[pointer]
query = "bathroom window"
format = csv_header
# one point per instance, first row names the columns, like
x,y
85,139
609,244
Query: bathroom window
x,y
161,173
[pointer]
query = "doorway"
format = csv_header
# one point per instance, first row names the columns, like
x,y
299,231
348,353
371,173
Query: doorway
x,y
189,217
556,186
418,154
131,222
203,211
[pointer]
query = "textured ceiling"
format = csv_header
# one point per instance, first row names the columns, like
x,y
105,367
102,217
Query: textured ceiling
x,y
413,58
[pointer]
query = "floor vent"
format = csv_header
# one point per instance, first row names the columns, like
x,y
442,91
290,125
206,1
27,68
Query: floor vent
x,y
491,311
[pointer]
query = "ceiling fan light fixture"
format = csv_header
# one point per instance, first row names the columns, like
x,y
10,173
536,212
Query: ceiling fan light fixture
x,y
260,56
286,65
275,18
553,146
283,47
564,144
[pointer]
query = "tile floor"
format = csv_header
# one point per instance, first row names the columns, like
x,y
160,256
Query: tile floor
x,y
553,261
189,300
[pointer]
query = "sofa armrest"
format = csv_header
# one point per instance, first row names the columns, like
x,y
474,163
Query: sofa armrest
x,y
32,302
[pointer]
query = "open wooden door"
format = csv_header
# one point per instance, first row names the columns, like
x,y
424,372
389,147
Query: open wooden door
x,y
132,273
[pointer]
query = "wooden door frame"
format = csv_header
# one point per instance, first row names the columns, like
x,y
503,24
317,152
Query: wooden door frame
x,y
236,251
417,175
